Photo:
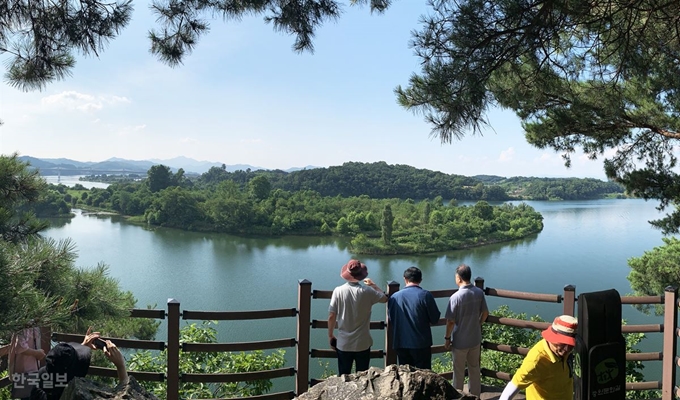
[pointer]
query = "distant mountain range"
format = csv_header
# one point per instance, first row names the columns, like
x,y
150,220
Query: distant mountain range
x,y
65,166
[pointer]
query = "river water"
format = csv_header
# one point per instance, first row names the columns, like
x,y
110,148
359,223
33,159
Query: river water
x,y
584,243
72,180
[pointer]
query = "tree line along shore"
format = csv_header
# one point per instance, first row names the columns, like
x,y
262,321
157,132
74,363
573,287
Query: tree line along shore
x,y
370,203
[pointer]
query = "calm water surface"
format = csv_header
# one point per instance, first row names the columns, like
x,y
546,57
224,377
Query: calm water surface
x,y
584,243
72,180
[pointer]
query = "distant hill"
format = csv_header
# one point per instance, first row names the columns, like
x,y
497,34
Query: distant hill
x,y
380,180
376,180
66,162
115,165
489,179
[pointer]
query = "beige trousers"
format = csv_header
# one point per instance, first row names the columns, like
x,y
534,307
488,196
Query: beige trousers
x,y
471,357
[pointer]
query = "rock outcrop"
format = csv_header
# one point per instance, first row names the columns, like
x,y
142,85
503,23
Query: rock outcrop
x,y
85,389
401,382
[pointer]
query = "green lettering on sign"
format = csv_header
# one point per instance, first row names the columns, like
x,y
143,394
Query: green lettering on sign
x,y
606,370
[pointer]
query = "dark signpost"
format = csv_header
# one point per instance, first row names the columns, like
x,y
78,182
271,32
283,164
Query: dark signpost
x,y
600,353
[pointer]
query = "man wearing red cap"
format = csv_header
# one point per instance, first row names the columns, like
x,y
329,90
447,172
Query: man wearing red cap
x,y
351,308
546,372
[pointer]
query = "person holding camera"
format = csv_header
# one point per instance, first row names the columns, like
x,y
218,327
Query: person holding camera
x,y
66,361
94,341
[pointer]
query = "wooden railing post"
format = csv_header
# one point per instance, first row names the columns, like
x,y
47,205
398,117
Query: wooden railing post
x,y
390,354
304,323
670,325
569,300
173,350
479,282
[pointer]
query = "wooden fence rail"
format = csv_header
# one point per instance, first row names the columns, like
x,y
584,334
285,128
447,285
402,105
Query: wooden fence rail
x,y
301,340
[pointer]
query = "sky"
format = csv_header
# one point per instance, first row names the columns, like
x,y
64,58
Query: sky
x,y
245,97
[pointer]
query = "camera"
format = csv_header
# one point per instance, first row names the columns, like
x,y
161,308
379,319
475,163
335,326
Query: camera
x,y
99,343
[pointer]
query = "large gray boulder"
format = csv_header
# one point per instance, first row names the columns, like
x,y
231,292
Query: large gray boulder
x,y
397,382
85,389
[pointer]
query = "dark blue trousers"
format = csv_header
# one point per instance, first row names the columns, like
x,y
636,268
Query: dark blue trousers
x,y
419,358
346,358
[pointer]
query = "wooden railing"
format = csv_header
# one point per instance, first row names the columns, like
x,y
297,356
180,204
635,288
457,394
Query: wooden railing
x,y
301,340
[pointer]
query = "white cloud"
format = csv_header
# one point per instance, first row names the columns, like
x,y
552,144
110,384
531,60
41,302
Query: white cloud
x,y
507,155
72,100
116,99
90,107
189,140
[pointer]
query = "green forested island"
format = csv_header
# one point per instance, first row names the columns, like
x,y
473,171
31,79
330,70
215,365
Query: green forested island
x,y
384,209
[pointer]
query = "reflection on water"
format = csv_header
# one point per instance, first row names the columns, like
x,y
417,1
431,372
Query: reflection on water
x,y
59,222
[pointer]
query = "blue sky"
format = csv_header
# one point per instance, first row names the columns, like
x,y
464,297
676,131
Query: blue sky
x,y
244,97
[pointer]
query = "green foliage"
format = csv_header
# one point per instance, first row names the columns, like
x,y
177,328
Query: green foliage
x,y
343,226
574,74
107,178
88,27
259,187
557,188
327,370
174,207
39,283
5,393
19,189
41,38
159,178
387,224
51,204
454,227
656,269
209,363
380,180
483,210
427,209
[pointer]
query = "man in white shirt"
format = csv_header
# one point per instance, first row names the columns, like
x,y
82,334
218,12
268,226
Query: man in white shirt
x,y
350,307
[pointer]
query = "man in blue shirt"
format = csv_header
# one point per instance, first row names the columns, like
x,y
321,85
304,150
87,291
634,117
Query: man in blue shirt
x,y
411,312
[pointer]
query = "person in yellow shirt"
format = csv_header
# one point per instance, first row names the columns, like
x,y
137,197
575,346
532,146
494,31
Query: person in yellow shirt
x,y
545,372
